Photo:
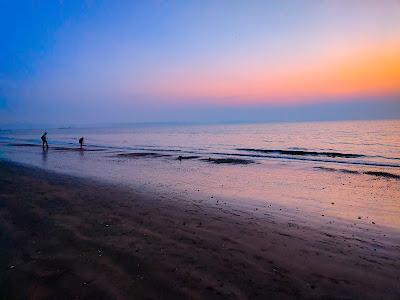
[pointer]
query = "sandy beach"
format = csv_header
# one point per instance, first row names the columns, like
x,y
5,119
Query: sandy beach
x,y
64,237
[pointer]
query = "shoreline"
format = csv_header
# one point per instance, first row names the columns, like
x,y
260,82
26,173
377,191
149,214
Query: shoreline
x,y
64,235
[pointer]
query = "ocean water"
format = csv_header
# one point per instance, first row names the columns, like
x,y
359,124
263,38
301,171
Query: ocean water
x,y
375,143
347,170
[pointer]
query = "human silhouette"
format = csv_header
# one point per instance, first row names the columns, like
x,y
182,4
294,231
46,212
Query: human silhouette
x,y
81,142
44,141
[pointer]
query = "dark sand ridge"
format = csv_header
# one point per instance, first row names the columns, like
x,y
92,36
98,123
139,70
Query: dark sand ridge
x,y
63,237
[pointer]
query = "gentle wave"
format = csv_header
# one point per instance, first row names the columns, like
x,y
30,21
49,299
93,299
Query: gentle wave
x,y
59,148
252,153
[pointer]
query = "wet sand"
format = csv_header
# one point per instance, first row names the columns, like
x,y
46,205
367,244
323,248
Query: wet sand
x,y
64,237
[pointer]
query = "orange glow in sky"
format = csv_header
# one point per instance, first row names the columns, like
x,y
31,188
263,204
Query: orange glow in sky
x,y
367,72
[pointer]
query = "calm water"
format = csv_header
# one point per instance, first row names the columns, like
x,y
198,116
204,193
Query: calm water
x,y
366,143
297,167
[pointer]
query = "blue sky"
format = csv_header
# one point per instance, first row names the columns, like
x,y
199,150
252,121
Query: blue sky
x,y
118,61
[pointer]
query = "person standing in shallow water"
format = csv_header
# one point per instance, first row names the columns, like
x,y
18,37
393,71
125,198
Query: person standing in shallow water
x,y
81,142
44,141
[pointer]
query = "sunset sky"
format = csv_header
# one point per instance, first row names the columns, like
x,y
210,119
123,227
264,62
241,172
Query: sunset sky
x,y
111,61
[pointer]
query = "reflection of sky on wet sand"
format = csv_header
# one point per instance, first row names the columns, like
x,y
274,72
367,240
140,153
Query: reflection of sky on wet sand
x,y
298,187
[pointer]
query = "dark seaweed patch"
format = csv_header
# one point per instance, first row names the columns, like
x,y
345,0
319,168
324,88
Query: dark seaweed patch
x,y
338,170
187,157
141,154
235,161
302,153
382,174
372,173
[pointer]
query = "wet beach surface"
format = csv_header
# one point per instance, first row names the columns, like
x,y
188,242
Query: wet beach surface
x,y
68,237
306,189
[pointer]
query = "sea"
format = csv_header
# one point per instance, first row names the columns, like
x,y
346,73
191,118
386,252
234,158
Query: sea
x,y
346,170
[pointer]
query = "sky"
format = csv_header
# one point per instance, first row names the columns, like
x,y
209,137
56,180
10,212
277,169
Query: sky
x,y
81,62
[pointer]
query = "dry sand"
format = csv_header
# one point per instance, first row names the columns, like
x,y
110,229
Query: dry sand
x,y
63,237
